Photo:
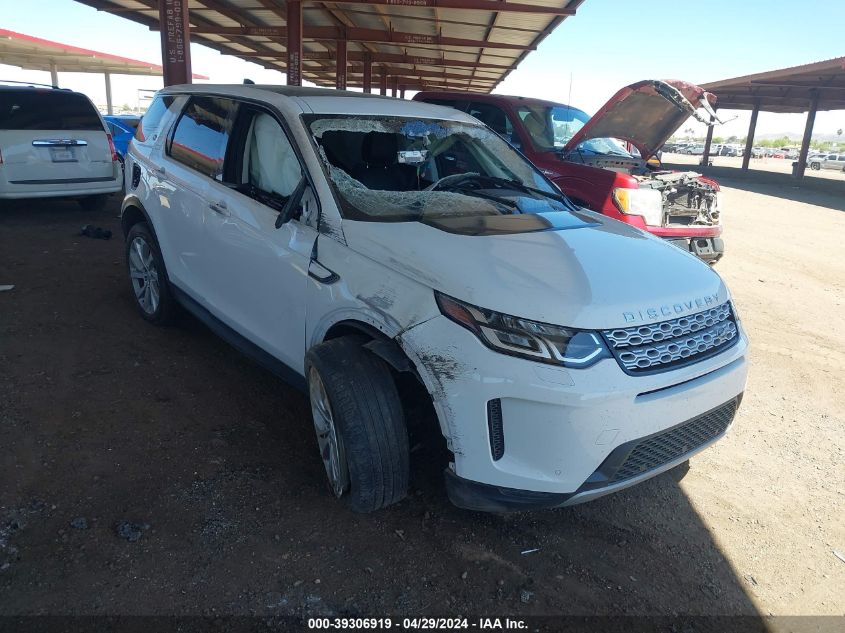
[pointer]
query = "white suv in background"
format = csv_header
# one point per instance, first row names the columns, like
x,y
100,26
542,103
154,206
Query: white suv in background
x,y
343,239
54,144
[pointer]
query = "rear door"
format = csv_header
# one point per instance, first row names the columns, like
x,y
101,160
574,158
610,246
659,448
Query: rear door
x,y
52,140
189,175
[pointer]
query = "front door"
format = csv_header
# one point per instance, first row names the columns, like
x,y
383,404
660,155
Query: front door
x,y
260,271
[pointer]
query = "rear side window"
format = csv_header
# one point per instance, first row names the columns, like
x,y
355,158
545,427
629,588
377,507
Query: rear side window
x,y
202,134
36,109
150,123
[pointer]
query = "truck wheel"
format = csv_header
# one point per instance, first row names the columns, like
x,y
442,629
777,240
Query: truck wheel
x,y
148,276
359,423
93,203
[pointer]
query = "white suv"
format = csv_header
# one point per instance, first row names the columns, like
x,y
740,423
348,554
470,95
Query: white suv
x,y
344,239
54,143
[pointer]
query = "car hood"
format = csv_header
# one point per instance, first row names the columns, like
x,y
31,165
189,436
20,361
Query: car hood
x,y
646,114
596,273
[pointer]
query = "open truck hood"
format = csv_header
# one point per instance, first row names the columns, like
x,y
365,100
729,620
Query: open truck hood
x,y
646,114
595,273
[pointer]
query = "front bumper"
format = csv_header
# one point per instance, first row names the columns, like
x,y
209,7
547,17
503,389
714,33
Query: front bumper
x,y
708,249
559,426
626,466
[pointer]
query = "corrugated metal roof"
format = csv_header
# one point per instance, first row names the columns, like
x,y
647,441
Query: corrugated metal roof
x,y
785,90
425,43
35,53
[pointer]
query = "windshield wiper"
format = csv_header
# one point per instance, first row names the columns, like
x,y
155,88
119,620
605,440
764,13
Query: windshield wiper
x,y
517,184
478,194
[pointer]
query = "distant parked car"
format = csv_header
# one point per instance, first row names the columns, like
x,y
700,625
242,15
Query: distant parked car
x,y
122,128
778,153
830,161
55,144
696,150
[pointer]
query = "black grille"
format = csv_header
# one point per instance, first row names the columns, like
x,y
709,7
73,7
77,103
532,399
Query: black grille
x,y
652,347
494,427
654,451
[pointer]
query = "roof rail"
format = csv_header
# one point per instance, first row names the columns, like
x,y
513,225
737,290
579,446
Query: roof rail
x,y
27,83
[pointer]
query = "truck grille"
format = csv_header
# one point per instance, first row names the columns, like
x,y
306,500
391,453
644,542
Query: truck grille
x,y
671,444
658,346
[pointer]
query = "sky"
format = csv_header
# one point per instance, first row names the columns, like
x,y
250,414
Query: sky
x,y
607,45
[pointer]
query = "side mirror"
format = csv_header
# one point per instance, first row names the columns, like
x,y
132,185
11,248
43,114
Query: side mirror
x,y
292,204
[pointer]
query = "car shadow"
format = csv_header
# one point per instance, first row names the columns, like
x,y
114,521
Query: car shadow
x,y
811,189
111,419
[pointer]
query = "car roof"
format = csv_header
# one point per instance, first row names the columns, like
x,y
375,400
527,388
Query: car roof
x,y
477,96
327,100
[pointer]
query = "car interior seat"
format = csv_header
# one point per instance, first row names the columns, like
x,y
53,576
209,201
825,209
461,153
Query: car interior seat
x,y
380,167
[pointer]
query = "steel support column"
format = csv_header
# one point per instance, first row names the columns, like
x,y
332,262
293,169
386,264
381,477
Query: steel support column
x,y
54,75
705,158
749,142
175,41
394,86
383,82
808,135
368,74
340,68
402,93
294,45
109,106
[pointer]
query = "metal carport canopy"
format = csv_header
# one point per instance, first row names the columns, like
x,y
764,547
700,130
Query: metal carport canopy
x,y
35,53
410,44
807,88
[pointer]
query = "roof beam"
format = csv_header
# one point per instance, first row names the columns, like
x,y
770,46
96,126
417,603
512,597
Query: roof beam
x,y
353,34
414,60
469,5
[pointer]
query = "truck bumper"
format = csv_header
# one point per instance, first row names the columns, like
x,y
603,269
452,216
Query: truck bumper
x,y
708,249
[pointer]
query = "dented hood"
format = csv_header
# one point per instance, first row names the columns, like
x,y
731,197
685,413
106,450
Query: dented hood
x,y
646,114
588,275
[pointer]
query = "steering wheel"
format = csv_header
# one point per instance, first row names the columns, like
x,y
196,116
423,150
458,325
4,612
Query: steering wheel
x,y
452,179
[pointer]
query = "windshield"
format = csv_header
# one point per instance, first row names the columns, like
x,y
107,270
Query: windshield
x,y
551,127
391,169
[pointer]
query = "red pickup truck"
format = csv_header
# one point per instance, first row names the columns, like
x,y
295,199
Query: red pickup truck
x,y
584,156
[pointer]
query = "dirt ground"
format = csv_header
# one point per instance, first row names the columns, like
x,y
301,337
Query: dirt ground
x,y
105,419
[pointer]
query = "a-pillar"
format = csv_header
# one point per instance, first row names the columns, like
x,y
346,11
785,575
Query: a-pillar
x,y
109,106
808,135
368,73
175,41
340,69
294,46
749,142
705,158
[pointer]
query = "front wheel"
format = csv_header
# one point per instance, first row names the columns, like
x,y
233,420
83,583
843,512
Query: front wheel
x,y
815,166
359,422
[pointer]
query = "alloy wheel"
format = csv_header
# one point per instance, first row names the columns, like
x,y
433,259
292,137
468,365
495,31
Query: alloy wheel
x,y
144,275
328,439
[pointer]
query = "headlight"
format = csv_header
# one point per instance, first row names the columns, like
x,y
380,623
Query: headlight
x,y
647,203
541,342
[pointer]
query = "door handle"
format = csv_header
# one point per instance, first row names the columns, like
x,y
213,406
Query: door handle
x,y
219,207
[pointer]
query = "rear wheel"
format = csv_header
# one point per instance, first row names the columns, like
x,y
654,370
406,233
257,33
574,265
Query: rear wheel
x,y
359,423
93,203
148,276
815,166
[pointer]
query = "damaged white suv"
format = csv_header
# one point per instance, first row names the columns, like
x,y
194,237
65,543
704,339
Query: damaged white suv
x,y
343,239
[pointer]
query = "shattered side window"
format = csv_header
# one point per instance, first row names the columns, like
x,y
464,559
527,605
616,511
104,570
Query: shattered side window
x,y
404,169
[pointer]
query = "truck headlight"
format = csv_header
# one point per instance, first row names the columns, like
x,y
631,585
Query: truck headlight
x,y
647,203
511,335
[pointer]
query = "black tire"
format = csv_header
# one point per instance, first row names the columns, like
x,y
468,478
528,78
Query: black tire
x,y
369,419
815,166
167,308
680,471
93,203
